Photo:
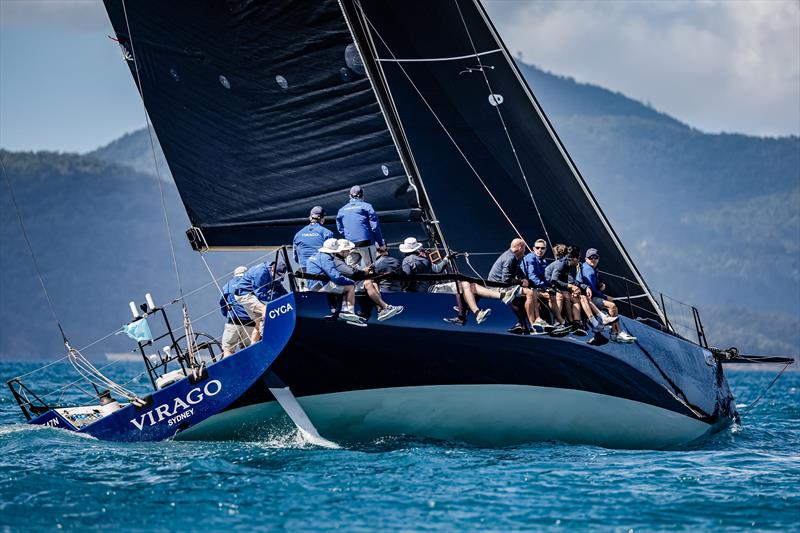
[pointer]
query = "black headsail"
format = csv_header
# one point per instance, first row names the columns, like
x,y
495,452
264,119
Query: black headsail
x,y
491,163
263,109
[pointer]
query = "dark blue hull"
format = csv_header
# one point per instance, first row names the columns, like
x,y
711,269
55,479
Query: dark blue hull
x,y
416,349
187,402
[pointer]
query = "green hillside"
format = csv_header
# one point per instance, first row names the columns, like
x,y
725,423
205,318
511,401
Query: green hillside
x,y
711,219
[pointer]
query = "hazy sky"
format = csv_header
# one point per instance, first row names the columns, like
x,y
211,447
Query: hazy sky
x,y
718,65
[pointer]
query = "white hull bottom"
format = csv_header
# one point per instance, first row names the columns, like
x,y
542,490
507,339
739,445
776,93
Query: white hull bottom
x,y
483,415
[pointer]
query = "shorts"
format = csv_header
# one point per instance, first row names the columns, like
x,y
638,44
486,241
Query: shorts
x,y
235,337
331,288
368,255
599,302
254,307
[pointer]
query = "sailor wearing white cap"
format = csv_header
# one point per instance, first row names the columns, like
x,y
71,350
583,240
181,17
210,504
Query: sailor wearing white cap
x,y
416,261
239,327
351,270
323,264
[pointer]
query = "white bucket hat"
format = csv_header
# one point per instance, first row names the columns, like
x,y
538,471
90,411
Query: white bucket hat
x,y
329,246
343,245
410,245
240,271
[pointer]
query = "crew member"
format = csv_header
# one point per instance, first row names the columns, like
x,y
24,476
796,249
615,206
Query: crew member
x,y
594,291
534,266
416,261
239,326
251,293
322,263
311,238
351,270
358,223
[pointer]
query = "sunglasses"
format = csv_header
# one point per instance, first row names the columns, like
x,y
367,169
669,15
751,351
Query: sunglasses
x,y
594,257
540,247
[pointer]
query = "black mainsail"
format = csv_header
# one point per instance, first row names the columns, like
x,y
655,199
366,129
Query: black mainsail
x,y
265,108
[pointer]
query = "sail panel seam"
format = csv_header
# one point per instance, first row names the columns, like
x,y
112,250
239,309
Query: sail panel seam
x,y
423,59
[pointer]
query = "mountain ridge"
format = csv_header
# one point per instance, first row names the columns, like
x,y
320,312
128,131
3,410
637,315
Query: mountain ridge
x,y
703,195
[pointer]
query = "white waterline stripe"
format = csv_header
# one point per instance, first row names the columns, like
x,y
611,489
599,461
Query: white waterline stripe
x,y
391,60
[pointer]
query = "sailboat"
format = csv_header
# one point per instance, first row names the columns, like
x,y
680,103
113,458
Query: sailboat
x,y
267,108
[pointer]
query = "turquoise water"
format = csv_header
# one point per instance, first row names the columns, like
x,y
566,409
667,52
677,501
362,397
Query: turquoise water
x,y
743,478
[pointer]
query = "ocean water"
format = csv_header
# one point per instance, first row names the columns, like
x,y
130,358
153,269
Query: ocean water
x,y
745,478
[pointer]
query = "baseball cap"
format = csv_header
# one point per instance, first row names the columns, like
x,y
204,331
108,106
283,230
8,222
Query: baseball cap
x,y
590,252
356,191
317,212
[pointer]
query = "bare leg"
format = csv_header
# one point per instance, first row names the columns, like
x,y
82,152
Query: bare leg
x,y
531,304
480,290
587,306
469,296
575,303
611,307
552,303
349,295
374,293
565,304
256,335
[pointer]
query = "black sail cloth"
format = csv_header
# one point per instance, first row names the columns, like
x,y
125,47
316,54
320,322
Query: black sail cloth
x,y
263,110
486,155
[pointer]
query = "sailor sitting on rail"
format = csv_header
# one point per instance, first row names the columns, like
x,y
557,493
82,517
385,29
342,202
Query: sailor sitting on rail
x,y
563,278
239,326
252,292
322,264
594,292
534,266
562,299
358,223
309,239
505,270
386,264
351,270
416,261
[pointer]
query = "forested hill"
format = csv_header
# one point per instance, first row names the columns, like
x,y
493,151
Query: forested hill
x,y
712,219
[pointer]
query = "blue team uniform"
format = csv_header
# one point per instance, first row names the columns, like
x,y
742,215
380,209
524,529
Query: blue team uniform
x,y
308,240
323,264
358,222
535,270
228,305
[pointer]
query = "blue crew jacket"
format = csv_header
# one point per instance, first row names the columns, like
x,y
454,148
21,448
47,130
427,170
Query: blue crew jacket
x,y
228,304
257,280
534,269
358,222
308,240
590,279
322,264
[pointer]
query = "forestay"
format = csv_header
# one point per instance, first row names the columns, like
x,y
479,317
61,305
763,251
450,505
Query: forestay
x,y
491,164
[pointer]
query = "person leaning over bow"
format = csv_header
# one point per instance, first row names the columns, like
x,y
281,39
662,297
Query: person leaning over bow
x,y
254,282
594,291
310,239
239,326
534,266
416,261
323,264
358,223
351,270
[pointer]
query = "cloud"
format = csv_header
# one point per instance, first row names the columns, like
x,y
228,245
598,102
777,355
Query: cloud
x,y
81,15
715,64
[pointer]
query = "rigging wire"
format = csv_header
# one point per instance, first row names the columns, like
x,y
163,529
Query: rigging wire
x,y
505,128
441,124
755,402
157,176
30,250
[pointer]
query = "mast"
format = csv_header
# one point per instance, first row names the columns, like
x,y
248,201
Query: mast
x,y
362,38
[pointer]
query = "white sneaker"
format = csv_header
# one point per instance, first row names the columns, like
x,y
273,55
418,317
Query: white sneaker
x,y
482,315
389,311
509,295
626,337
350,317
609,319
541,323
